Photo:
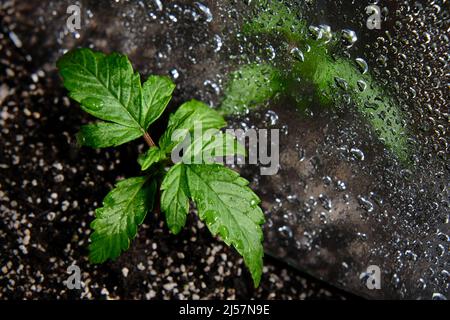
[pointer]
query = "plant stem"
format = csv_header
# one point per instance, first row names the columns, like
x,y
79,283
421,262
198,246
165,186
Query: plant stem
x,y
149,140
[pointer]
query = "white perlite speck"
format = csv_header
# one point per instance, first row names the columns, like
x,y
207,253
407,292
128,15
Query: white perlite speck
x,y
15,39
169,286
141,266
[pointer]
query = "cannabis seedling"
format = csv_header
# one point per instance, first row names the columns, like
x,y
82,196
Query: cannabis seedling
x,y
107,88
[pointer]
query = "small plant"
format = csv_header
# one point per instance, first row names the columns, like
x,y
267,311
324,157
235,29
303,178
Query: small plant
x,y
107,87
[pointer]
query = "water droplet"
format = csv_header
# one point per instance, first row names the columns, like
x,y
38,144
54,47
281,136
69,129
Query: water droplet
x,y
349,37
340,185
297,54
341,83
323,217
205,10
361,236
327,180
421,284
285,231
357,154
271,117
440,249
327,35
93,103
362,65
174,74
315,32
213,85
325,201
159,5
219,43
438,296
365,204
173,18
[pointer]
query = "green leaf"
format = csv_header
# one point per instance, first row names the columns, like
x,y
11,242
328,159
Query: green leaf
x,y
186,117
275,17
174,198
105,85
211,145
223,144
107,88
152,156
106,134
115,224
224,201
250,86
230,209
198,112
157,92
